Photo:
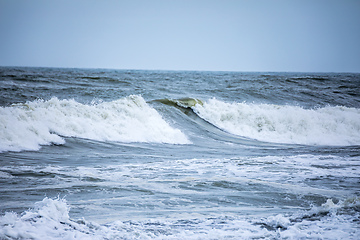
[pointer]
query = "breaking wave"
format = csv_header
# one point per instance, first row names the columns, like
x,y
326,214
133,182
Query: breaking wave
x,y
337,126
130,119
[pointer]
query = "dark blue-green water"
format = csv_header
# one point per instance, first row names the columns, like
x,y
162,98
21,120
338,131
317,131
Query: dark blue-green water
x,y
132,154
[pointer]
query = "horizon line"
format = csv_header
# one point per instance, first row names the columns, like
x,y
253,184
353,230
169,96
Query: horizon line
x,y
178,70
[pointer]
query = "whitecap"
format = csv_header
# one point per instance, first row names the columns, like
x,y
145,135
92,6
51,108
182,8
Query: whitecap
x,y
130,119
285,124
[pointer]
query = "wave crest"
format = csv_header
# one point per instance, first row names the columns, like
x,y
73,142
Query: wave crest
x,y
130,119
284,124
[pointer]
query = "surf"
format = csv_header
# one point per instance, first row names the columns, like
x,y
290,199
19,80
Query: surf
x,y
49,219
28,126
270,123
331,125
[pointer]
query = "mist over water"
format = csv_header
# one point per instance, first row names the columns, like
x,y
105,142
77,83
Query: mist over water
x,y
130,154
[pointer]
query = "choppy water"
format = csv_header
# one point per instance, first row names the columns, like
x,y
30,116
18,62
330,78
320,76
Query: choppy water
x,y
130,154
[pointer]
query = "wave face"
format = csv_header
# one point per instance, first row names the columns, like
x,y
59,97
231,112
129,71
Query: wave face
x,y
130,119
284,124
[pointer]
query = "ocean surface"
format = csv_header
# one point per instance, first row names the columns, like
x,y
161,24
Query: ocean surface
x,y
133,154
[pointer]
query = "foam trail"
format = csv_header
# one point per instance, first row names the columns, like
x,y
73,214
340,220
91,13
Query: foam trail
x,y
131,119
285,124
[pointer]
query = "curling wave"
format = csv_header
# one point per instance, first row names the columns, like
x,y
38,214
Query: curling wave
x,y
130,119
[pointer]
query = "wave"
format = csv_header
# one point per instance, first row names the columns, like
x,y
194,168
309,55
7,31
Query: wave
x,y
50,219
130,119
333,126
182,102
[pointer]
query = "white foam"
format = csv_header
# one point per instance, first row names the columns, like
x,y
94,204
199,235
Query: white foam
x,y
328,221
50,220
330,176
131,119
285,124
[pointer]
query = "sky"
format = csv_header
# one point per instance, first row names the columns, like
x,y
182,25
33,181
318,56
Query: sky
x,y
221,35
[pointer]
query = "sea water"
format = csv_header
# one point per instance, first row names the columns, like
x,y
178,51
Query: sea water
x,y
133,154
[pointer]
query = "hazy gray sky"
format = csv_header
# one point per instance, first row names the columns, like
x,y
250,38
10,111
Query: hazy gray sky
x,y
268,35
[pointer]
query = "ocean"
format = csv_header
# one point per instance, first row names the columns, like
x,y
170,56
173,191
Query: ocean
x,y
140,154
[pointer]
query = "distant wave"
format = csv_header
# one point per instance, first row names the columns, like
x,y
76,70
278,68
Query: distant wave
x,y
334,126
130,119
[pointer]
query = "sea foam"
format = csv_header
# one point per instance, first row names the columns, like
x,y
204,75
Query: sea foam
x,y
49,219
130,119
284,124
